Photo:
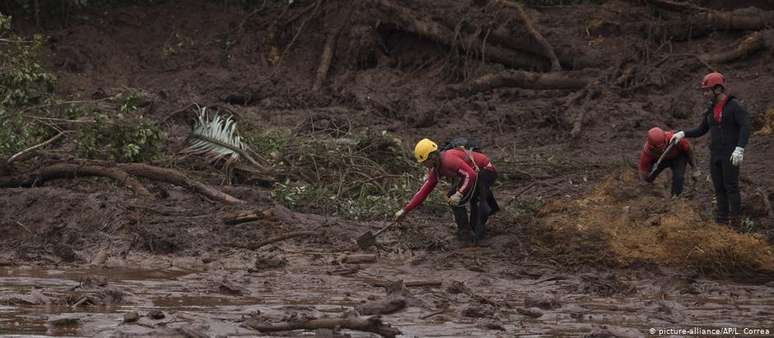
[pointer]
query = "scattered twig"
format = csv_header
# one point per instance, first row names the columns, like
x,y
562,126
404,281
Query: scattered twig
x,y
433,314
24,227
547,49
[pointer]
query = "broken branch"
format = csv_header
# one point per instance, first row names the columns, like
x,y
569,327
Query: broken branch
x,y
29,150
177,178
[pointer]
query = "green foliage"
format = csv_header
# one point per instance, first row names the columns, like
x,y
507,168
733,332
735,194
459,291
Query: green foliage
x,y
18,133
361,176
130,101
23,80
121,139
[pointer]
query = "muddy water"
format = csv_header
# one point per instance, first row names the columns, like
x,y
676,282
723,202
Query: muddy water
x,y
215,300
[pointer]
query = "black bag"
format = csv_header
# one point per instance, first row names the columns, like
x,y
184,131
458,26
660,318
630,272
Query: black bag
x,y
461,142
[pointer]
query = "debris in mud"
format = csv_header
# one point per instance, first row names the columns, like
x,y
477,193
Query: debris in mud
x,y
491,325
542,300
35,297
382,307
370,324
131,317
359,259
530,312
267,261
156,314
605,285
612,226
65,321
478,311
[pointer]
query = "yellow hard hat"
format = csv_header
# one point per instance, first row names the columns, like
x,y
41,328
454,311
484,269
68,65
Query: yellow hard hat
x,y
424,148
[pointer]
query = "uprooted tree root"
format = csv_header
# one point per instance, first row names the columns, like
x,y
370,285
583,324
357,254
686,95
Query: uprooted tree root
x,y
623,223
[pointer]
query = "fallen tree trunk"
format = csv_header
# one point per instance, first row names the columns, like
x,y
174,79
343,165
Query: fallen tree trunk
x,y
746,46
521,79
177,178
70,170
407,20
359,259
371,324
700,24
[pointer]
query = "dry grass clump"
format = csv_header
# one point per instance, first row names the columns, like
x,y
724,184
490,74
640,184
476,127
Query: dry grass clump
x,y
623,222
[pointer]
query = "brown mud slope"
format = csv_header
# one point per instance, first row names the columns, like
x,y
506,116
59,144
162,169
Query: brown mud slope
x,y
597,247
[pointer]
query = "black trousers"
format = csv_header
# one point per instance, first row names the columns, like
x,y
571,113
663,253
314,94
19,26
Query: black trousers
x,y
725,178
482,205
677,165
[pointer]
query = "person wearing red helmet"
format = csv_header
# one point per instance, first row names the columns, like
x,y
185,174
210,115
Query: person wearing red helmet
x,y
655,144
729,126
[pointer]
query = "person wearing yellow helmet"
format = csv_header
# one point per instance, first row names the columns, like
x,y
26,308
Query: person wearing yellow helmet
x,y
475,174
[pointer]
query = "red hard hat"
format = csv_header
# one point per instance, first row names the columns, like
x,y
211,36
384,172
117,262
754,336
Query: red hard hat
x,y
656,137
713,79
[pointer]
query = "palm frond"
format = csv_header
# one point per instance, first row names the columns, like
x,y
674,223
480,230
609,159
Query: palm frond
x,y
216,138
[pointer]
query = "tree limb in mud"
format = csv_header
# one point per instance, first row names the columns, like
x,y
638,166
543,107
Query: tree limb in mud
x,y
746,46
522,79
547,50
70,170
177,178
371,324
682,7
408,20
278,239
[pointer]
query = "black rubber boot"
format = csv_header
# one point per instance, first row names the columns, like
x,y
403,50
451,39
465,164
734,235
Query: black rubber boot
x,y
463,225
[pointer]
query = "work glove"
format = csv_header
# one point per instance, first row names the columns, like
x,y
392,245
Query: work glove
x,y
454,200
677,137
399,215
736,156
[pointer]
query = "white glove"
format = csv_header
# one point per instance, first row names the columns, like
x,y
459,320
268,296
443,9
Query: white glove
x,y
454,200
399,215
736,156
677,137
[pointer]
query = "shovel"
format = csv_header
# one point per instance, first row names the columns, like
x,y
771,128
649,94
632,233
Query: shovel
x,y
368,239
655,167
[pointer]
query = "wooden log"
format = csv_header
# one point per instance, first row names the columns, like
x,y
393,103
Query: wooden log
x,y
745,47
177,178
407,20
359,259
241,217
371,324
522,79
70,170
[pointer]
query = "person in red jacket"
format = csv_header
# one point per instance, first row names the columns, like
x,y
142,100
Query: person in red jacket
x,y
475,176
656,143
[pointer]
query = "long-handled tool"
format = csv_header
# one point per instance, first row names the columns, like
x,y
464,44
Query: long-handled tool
x,y
368,239
655,167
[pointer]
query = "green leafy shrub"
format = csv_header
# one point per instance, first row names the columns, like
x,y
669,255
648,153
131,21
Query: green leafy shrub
x,y
121,139
23,80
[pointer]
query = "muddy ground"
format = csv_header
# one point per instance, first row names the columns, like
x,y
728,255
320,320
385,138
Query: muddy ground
x,y
555,263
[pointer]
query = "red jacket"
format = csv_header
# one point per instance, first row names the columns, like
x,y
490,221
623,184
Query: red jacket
x,y
649,155
454,163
